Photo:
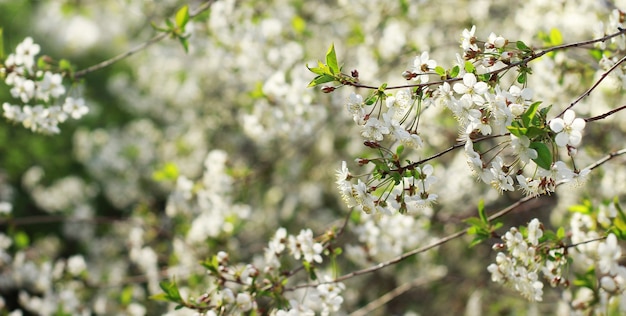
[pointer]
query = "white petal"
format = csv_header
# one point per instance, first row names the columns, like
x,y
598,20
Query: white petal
x,y
578,124
574,138
469,79
557,125
561,139
569,117
460,88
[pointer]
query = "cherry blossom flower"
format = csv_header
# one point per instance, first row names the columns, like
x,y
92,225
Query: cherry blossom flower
x,y
422,65
569,129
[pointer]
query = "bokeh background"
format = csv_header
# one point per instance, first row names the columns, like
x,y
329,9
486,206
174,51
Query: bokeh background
x,y
235,115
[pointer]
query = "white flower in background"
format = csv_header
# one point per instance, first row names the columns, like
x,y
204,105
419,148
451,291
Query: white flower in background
x,y
244,302
296,309
76,265
5,208
609,253
327,296
534,231
23,89
50,85
569,129
76,108
25,53
303,246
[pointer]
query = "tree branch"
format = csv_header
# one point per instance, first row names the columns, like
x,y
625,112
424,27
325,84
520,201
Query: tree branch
x,y
81,73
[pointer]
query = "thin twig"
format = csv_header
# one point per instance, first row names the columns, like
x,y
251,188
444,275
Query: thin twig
x,y
602,116
46,219
139,48
453,236
375,304
524,61
595,85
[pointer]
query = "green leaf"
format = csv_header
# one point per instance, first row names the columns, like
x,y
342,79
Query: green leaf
x,y
298,24
41,63
478,239
596,54
185,43
522,46
517,131
159,297
440,71
469,67
455,71
555,37
318,70
168,172
160,29
475,222
21,240
371,99
321,79
534,131
399,150
182,17
170,25
65,65
544,156
521,78
331,60
587,280
529,115
1,45
585,208
126,296
171,291
481,211
560,233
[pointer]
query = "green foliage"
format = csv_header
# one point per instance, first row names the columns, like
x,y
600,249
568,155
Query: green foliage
x,y
619,223
1,44
552,38
469,67
169,172
170,294
21,240
480,227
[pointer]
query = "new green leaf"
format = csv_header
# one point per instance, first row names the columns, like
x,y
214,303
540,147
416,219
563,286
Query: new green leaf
x,y
331,60
182,17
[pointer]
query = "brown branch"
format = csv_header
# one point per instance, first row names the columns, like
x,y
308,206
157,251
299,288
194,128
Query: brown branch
x,y
524,61
453,236
602,116
422,280
595,85
81,73
47,219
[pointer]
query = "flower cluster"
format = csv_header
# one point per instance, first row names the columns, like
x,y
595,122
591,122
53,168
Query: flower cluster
x,y
251,283
409,194
526,258
38,90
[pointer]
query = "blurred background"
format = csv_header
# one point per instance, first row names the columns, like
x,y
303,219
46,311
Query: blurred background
x,y
235,117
